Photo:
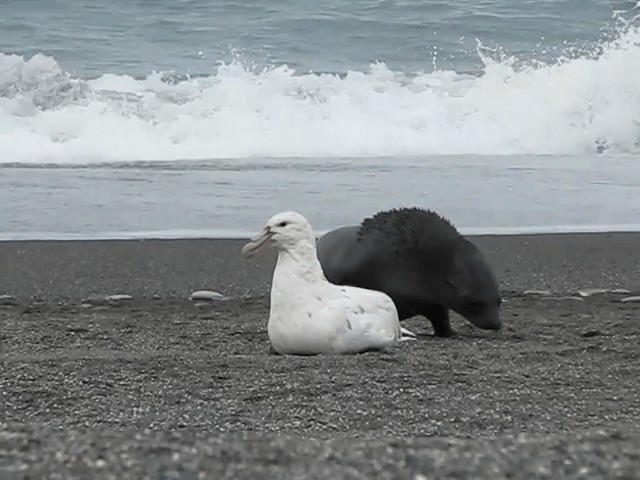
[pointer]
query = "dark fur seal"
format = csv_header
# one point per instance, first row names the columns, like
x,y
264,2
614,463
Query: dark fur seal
x,y
421,261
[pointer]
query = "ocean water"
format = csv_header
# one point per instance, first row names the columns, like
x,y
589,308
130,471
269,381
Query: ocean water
x,y
136,118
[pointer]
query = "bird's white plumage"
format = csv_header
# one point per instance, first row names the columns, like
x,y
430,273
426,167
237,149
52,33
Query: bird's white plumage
x,y
308,314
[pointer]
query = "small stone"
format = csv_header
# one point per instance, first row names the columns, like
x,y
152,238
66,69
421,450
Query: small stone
x,y
86,305
202,305
571,297
620,291
119,297
633,299
588,292
157,297
541,293
591,333
8,300
107,300
206,295
77,329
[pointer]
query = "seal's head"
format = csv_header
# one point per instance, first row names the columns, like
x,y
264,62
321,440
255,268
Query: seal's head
x,y
474,291
284,230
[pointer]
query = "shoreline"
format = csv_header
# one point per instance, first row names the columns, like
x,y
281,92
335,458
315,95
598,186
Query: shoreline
x,y
217,198
74,269
207,234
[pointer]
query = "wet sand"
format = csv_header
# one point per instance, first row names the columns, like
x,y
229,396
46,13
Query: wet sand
x,y
159,386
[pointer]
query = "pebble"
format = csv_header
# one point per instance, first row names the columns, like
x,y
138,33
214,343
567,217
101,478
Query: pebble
x,y
588,292
542,293
571,297
206,295
119,297
105,299
634,299
591,333
8,300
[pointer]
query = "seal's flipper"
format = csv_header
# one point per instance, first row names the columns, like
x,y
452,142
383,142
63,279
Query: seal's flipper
x,y
438,315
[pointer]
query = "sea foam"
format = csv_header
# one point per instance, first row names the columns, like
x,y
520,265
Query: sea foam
x,y
579,104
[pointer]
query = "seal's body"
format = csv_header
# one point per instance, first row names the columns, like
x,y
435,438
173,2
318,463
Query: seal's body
x,y
421,261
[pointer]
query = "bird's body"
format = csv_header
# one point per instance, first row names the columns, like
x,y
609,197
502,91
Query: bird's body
x,y
308,314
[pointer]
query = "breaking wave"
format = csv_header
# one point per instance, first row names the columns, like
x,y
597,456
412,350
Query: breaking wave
x,y
581,103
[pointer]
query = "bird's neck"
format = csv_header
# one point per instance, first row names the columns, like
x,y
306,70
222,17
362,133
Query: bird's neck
x,y
301,261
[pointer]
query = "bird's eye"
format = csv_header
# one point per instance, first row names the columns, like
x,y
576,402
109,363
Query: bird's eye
x,y
282,224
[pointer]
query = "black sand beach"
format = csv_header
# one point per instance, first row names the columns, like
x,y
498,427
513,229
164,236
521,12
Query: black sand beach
x,y
158,386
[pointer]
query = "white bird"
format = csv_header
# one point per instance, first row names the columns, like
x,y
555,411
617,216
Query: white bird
x,y
308,314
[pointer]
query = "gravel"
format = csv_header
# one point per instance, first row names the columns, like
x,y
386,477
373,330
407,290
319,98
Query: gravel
x,y
159,386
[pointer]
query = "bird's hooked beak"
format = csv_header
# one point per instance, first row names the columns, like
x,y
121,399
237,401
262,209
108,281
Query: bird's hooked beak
x,y
257,242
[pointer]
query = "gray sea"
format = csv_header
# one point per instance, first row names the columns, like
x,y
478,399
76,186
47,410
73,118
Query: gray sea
x,y
141,118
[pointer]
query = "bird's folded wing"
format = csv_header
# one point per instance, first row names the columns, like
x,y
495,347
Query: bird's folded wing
x,y
360,318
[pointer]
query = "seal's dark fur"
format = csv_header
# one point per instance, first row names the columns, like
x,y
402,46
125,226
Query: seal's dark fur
x,y
420,260
415,236
410,226
413,229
